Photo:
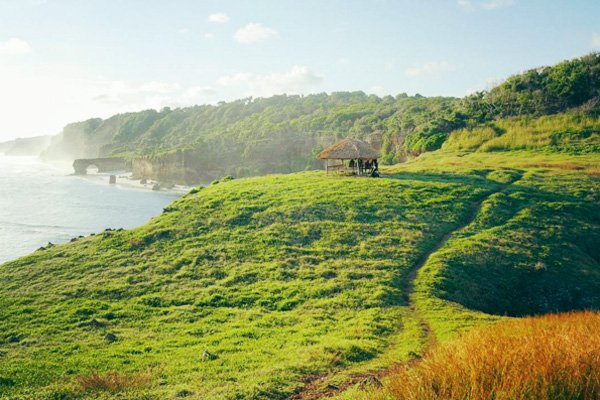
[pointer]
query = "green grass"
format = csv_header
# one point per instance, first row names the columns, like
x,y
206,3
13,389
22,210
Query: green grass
x,y
278,276
575,133
284,277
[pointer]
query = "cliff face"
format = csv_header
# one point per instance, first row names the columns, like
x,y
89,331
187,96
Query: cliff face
x,y
181,167
103,164
77,140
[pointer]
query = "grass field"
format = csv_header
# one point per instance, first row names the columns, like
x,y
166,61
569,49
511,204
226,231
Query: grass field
x,y
297,285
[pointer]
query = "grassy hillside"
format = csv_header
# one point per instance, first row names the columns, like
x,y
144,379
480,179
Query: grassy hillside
x,y
301,284
279,277
562,133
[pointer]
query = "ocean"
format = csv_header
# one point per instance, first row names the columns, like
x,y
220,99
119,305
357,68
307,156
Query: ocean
x,y
41,203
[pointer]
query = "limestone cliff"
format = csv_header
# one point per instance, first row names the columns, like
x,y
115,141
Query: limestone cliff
x,y
180,167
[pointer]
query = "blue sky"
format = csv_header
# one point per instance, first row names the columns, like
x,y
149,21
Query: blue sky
x,y
68,60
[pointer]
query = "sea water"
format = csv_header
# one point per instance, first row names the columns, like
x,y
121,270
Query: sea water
x,y
41,203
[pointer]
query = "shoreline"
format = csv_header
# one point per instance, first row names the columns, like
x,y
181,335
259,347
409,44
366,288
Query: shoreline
x,y
43,202
124,179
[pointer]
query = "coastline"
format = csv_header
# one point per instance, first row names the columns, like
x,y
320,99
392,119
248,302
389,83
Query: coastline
x,y
124,179
43,202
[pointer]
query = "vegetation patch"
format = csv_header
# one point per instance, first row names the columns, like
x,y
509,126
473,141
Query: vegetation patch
x,y
113,382
520,359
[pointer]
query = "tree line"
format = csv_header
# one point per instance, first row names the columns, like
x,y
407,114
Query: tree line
x,y
283,133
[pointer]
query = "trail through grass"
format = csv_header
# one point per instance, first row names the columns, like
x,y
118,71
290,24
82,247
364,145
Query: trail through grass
x,y
314,391
553,357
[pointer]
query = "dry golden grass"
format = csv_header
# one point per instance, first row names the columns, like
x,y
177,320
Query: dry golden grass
x,y
567,166
550,357
113,382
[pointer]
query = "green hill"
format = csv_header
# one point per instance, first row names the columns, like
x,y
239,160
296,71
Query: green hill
x,y
281,134
265,287
306,285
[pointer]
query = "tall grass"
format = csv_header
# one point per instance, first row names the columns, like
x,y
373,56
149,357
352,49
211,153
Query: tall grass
x,y
551,357
469,139
574,133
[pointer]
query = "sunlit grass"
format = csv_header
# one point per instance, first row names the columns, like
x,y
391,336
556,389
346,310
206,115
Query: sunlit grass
x,y
279,277
282,277
554,357
569,133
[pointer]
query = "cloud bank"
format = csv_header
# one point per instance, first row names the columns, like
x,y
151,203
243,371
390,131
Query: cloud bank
x,y
470,5
254,32
218,18
299,79
15,46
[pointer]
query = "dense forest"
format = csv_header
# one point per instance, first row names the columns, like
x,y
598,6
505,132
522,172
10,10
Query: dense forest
x,y
283,133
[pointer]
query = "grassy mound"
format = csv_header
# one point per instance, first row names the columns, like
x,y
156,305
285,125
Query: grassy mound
x,y
551,357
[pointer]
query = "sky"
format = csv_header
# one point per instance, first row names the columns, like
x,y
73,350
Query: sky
x,y
63,61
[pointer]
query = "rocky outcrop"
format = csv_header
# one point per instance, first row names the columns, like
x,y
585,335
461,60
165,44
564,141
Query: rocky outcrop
x,y
106,164
185,167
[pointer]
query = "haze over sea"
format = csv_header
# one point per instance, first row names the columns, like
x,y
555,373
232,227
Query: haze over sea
x,y
41,203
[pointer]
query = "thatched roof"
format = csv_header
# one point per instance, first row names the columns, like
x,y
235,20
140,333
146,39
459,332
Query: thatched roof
x,y
349,149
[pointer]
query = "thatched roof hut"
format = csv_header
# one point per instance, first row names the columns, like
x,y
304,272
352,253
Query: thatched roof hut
x,y
361,156
349,149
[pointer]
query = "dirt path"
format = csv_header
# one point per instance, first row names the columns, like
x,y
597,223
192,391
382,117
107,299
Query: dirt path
x,y
313,388
409,288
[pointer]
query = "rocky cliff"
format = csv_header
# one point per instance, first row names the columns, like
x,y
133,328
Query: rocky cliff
x,y
184,167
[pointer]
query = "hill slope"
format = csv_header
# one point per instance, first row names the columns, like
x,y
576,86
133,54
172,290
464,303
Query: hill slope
x,y
266,287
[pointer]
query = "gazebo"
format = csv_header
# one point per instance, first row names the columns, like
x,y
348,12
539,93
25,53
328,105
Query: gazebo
x,y
351,156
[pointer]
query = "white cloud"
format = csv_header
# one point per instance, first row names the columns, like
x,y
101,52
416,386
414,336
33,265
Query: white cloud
x,y
596,41
199,91
183,31
120,92
494,4
219,18
465,4
379,90
159,87
470,5
487,85
254,32
154,94
435,68
14,46
297,80
58,94
209,36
